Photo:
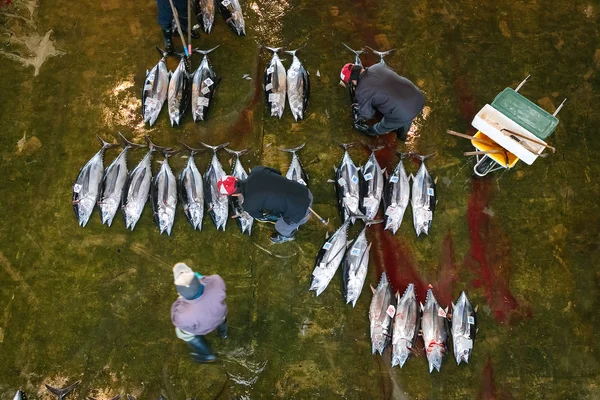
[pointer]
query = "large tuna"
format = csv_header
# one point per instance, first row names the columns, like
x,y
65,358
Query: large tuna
x,y
191,190
435,331
179,92
381,312
111,189
406,326
355,266
275,84
216,202
381,54
243,219
137,187
156,86
86,188
231,10
204,85
329,259
298,87
295,172
347,186
205,14
423,199
164,195
396,195
371,185
464,328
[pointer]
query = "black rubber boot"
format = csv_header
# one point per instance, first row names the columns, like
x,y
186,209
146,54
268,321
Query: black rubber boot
x,y
168,34
201,351
401,133
279,238
222,330
268,218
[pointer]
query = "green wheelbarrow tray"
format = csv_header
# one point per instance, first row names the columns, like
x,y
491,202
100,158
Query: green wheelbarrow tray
x,y
525,113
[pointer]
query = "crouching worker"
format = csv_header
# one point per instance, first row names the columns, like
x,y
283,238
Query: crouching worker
x,y
199,310
269,197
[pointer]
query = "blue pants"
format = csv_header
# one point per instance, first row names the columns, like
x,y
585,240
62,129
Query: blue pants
x,y
384,126
286,229
165,14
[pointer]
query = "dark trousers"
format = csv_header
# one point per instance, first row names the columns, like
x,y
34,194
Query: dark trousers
x,y
165,14
384,126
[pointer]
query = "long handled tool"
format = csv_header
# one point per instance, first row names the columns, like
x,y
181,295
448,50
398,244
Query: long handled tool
x,y
479,152
530,139
189,19
462,135
176,17
318,216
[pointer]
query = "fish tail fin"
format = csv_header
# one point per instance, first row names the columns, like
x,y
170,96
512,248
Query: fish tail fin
x,y
154,146
373,222
293,52
105,145
215,148
295,149
117,397
170,152
356,52
130,397
345,146
372,148
402,155
191,149
381,54
237,153
162,52
273,49
127,143
205,52
62,392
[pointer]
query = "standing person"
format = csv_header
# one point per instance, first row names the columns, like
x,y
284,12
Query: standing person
x,y
199,310
379,88
166,21
269,197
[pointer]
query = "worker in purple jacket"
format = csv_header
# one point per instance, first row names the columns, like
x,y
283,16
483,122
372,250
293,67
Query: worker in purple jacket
x,y
199,310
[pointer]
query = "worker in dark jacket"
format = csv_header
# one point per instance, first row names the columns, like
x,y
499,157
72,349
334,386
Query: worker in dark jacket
x,y
166,21
379,88
269,197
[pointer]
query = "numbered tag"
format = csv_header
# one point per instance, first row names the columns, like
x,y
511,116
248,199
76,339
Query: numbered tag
x,y
391,311
441,312
430,191
355,251
205,90
471,320
368,176
273,97
327,246
77,188
468,344
208,82
268,87
342,182
354,179
226,3
270,70
202,102
393,179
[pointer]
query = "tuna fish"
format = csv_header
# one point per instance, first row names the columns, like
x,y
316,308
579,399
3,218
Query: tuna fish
x,y
205,14
406,326
243,219
423,199
164,195
179,92
329,259
298,87
357,54
86,188
295,171
355,265
464,328
381,54
215,202
275,84
137,187
191,190
371,185
395,197
20,395
63,392
347,186
435,331
231,10
204,85
381,312
155,89
111,189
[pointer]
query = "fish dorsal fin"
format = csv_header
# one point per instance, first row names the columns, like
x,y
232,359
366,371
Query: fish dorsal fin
x,y
372,289
422,308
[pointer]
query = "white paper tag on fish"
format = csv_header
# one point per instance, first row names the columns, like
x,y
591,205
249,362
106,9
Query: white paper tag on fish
x,y
208,82
393,179
77,188
441,312
391,311
273,97
354,179
270,70
368,176
226,3
430,191
468,344
342,182
471,320
205,90
355,251
327,246
301,181
268,87
202,102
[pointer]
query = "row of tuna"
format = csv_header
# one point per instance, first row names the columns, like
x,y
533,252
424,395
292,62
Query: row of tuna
x,y
397,319
295,83
64,392
180,88
360,191
231,11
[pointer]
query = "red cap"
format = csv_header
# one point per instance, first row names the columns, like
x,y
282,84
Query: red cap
x,y
346,72
227,185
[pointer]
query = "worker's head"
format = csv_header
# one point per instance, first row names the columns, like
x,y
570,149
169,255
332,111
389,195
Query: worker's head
x,y
350,72
227,185
187,282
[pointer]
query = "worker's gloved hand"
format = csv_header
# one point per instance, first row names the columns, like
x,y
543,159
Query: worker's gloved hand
x,y
355,113
363,128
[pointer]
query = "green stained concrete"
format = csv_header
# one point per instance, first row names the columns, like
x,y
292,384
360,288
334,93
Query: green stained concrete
x,y
93,303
